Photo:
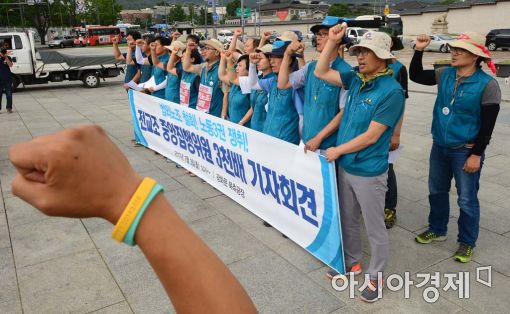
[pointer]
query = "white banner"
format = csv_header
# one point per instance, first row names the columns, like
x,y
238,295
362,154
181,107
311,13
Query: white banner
x,y
295,192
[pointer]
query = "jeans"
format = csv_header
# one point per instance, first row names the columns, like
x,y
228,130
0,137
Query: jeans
x,y
445,164
7,88
390,201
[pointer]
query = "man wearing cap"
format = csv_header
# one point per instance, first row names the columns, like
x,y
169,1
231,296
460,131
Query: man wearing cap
x,y
282,119
464,116
211,94
321,99
374,105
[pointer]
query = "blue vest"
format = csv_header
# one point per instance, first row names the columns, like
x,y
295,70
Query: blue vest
x,y
321,103
173,84
238,104
456,118
189,78
131,70
282,120
359,111
396,68
210,78
258,101
160,75
145,72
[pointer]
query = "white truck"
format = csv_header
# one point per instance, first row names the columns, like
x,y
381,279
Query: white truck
x,y
40,67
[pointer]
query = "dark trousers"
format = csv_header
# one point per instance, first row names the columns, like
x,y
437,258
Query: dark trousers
x,y
6,87
391,195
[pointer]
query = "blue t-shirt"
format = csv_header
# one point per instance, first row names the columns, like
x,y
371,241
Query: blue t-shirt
x,y
380,100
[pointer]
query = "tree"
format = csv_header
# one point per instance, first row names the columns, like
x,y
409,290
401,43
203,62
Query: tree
x,y
177,14
232,6
295,17
201,17
191,16
339,9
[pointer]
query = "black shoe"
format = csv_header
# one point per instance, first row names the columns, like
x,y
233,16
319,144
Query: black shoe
x,y
390,217
286,237
9,110
266,224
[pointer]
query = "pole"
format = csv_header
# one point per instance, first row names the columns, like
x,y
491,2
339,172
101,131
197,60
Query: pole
x,y
113,13
7,11
206,9
255,23
214,14
242,15
260,12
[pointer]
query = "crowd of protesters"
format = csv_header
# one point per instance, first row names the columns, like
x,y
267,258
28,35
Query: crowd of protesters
x,y
351,115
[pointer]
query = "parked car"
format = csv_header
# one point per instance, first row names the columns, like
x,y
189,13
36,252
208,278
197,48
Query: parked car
x,y
225,36
61,41
355,34
498,38
438,42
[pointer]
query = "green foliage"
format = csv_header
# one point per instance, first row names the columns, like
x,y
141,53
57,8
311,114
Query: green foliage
x,y
177,14
340,9
232,6
295,17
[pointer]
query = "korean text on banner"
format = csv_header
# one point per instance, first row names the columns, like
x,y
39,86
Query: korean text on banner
x,y
293,191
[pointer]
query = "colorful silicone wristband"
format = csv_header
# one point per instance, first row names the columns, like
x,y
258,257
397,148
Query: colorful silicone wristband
x,y
129,239
133,207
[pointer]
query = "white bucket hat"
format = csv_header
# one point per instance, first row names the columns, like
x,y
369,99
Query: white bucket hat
x,y
177,44
378,42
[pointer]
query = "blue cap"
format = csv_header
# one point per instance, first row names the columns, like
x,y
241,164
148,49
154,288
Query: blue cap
x,y
328,22
279,48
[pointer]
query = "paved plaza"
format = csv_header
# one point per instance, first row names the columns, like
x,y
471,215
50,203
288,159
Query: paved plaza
x,y
58,265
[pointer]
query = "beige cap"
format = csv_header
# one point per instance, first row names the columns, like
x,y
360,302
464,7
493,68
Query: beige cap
x,y
472,42
288,36
378,42
267,48
214,43
240,46
177,44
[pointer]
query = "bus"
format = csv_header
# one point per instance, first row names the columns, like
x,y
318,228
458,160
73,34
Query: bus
x,y
102,35
94,35
125,28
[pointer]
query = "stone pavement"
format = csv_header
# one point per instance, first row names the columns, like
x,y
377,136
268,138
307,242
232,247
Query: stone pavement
x,y
57,265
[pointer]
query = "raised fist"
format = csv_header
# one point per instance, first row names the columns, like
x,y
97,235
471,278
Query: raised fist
x,y
422,41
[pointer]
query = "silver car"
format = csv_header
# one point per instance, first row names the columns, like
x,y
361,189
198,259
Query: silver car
x,y
438,42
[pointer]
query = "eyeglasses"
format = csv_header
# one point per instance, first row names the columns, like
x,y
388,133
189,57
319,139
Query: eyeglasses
x,y
207,48
322,35
363,52
457,51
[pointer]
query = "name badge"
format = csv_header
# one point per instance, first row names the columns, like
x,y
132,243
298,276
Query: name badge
x,y
446,111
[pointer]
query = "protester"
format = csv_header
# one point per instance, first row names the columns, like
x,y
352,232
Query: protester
x,y
174,71
374,106
190,83
6,79
132,70
250,45
212,94
143,51
321,99
464,115
159,57
282,120
391,198
238,102
59,175
258,98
